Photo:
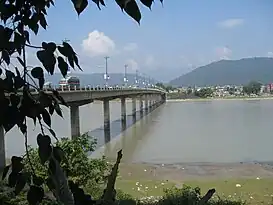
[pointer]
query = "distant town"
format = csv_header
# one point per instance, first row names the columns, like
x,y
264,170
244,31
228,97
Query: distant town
x,y
252,89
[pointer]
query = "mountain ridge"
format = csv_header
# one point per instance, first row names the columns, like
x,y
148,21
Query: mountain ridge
x,y
225,72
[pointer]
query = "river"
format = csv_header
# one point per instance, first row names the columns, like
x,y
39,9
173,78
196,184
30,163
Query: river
x,y
176,132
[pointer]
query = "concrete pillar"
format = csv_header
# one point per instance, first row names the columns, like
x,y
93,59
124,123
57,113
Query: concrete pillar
x,y
146,104
141,105
134,109
75,120
106,114
123,113
2,149
150,103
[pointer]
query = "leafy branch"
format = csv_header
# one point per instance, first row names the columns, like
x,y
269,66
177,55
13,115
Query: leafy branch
x,y
20,18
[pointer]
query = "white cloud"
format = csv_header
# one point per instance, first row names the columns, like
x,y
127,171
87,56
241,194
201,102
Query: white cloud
x,y
130,47
98,44
223,52
270,54
231,23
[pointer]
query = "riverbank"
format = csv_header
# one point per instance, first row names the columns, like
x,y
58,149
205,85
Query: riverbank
x,y
246,181
219,99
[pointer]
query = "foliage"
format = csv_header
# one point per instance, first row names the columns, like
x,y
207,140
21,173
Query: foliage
x,y
204,92
252,87
18,18
172,196
78,167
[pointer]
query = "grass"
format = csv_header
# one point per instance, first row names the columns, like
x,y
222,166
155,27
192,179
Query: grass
x,y
253,191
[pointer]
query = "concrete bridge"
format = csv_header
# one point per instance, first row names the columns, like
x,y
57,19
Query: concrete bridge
x,y
149,99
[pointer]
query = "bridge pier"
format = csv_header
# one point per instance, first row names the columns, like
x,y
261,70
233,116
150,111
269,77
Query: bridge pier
x,y
75,117
2,149
106,114
123,112
75,120
141,105
146,104
134,108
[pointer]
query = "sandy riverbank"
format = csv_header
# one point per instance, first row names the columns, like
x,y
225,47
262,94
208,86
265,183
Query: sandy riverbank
x,y
219,99
195,171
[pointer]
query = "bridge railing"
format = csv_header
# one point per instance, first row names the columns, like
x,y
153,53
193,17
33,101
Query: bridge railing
x,y
92,88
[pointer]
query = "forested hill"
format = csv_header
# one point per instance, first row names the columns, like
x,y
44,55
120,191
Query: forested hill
x,y
229,72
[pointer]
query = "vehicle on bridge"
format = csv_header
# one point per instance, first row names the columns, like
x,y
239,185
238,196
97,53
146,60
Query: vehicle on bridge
x,y
69,82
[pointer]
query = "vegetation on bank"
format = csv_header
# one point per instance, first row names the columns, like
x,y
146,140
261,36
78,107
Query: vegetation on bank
x,y
252,88
91,177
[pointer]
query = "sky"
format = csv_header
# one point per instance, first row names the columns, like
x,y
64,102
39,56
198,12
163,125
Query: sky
x,y
171,39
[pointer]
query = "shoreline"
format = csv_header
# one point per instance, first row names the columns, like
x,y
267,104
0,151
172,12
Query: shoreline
x,y
195,171
219,99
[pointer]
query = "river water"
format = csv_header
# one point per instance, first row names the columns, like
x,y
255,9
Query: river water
x,y
176,132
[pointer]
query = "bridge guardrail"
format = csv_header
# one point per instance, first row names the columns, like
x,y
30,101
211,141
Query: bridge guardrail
x,y
89,88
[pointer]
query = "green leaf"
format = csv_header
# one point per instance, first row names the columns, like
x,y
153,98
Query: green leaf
x,y
21,61
58,153
12,179
59,97
98,2
43,22
18,82
43,140
50,183
38,181
26,35
131,8
62,66
52,167
47,59
58,110
46,117
6,57
102,2
16,164
121,3
44,153
5,171
52,132
17,72
147,3
80,5
14,99
37,72
21,182
51,47
35,195
51,109
41,82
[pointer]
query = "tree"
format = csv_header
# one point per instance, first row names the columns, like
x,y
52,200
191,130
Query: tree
x,y
252,87
204,92
18,19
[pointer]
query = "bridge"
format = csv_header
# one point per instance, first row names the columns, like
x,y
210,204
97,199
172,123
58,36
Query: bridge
x,y
149,99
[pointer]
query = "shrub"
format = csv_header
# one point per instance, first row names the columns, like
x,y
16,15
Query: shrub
x,y
78,166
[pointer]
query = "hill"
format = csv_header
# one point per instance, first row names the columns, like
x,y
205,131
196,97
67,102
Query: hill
x,y
229,72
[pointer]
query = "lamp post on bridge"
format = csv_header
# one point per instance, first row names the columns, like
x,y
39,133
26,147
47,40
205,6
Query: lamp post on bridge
x,y
136,79
125,75
106,76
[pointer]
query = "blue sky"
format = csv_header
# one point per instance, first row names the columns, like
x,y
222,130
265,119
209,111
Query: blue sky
x,y
172,39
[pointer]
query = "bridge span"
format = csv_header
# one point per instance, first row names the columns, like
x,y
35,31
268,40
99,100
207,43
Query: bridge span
x,y
149,99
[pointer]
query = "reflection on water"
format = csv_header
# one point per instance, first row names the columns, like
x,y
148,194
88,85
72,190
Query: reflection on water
x,y
127,140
